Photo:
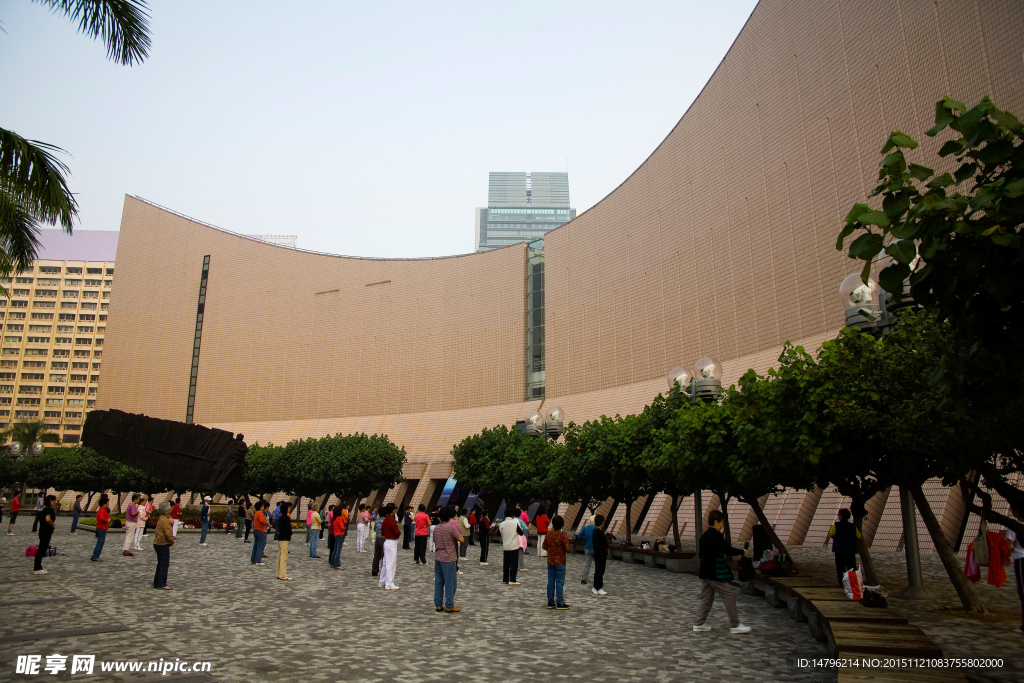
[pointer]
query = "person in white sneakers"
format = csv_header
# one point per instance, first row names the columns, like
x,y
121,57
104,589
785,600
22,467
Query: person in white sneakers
x,y
389,529
131,520
362,528
140,526
715,575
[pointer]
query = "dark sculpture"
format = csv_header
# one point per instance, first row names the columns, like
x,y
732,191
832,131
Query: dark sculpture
x,y
190,457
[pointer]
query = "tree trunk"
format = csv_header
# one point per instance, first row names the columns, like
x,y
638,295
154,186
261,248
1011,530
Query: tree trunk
x,y
867,563
119,494
767,526
675,521
88,501
723,500
629,522
968,598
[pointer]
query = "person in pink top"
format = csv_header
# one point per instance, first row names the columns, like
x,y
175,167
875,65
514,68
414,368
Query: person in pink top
x,y
131,521
362,528
309,518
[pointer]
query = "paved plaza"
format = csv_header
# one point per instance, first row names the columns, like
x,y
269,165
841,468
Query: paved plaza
x,y
329,625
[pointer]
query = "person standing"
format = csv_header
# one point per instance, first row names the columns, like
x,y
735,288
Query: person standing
x,y
378,543
556,546
249,514
362,528
284,537
40,503
150,509
163,539
422,524
102,525
510,533
466,529
47,525
313,529
131,520
15,509
277,516
524,539
204,520
228,515
541,521
407,528
140,525
260,524
435,518
715,575
844,535
240,515
588,544
472,526
337,523
447,539
176,516
484,524
76,512
390,533
309,518
600,545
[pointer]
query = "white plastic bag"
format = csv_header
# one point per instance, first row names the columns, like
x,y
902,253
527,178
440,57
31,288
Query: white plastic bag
x,y
853,583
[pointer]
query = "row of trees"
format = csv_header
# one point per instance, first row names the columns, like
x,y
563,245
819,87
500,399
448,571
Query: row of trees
x,y
940,395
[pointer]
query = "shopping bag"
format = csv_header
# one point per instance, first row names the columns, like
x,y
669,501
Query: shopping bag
x,y
31,551
981,544
852,583
971,569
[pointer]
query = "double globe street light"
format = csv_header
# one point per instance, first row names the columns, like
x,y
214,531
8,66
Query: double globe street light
x,y
547,426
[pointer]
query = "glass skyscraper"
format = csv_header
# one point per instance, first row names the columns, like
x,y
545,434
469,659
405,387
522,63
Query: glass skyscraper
x,y
522,207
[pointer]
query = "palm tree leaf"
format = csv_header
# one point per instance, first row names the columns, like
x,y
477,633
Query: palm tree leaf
x,y
122,25
19,236
34,178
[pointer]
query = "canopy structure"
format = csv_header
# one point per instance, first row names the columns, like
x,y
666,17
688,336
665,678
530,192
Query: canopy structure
x,y
191,457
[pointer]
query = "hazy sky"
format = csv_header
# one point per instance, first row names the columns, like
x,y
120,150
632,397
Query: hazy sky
x,y
365,128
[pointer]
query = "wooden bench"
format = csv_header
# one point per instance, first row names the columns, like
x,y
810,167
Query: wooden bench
x,y
853,630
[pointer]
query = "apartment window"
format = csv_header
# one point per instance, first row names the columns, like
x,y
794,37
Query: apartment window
x,y
82,329
69,304
106,295
92,391
23,280
52,427
103,307
42,316
94,271
58,365
48,281
38,340
81,354
11,327
9,352
35,352
78,378
95,366
72,427
68,329
99,341
22,292
61,353
107,283
49,269
80,366
31,375
40,328
30,389
92,283
10,376
58,378
62,340
54,401
51,413
83,341
88,306
35,364
102,329
5,413
77,271
28,401
97,354
47,292
72,438
8,363
70,294
19,304
76,390
103,316
19,315
66,317
7,389
12,339
45,304
7,280
75,402
86,316
26,413
55,390
90,404
110,271
92,295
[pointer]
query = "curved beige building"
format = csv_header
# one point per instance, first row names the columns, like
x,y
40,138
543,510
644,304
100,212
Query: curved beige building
x,y
721,243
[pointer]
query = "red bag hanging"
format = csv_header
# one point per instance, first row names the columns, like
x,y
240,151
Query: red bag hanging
x,y
971,569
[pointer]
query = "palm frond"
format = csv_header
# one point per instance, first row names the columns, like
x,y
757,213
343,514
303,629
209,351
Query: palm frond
x,y
34,177
122,25
19,236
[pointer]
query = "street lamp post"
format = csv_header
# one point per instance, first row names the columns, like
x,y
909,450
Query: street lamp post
x,y
708,389
869,309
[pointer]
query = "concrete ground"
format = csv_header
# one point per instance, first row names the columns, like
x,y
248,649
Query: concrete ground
x,y
338,626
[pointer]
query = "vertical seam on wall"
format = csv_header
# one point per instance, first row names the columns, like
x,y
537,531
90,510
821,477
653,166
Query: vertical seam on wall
x,y
197,341
853,114
942,45
810,195
768,220
984,47
906,61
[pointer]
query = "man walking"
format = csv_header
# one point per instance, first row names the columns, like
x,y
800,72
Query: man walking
x,y
715,575
510,532
390,532
76,512
131,520
422,523
204,520
446,539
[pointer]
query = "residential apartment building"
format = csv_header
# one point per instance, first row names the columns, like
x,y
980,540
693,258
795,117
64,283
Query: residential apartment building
x,y
54,325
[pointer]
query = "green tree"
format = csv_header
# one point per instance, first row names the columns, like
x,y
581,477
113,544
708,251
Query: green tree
x,y
265,467
609,455
506,463
33,190
666,473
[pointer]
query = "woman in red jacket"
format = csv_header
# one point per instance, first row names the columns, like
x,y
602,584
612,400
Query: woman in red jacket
x,y
102,524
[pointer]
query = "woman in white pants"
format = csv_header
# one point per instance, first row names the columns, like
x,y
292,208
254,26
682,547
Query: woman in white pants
x,y
362,528
140,527
389,529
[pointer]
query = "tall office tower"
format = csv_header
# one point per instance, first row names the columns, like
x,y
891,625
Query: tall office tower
x,y
522,207
54,325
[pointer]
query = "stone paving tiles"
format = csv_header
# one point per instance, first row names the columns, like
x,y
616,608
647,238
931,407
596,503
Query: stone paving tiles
x,y
337,625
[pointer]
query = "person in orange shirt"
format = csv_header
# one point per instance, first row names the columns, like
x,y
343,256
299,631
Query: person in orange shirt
x,y
338,526
260,524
